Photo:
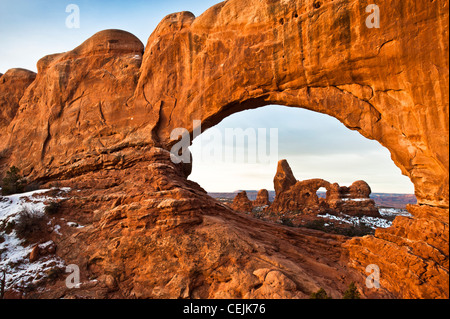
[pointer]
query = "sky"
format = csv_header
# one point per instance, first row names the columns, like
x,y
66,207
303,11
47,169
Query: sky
x,y
315,145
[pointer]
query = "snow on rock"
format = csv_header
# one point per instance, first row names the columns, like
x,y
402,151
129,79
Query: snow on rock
x,y
355,199
14,254
394,212
372,222
74,225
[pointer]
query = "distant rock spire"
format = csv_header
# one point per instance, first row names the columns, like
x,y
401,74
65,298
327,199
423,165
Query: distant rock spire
x,y
284,178
262,199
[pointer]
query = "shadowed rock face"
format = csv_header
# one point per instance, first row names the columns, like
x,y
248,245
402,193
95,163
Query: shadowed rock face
x,y
100,117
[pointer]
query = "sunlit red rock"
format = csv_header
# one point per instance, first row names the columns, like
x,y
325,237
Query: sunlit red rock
x,y
99,119
241,203
262,199
12,87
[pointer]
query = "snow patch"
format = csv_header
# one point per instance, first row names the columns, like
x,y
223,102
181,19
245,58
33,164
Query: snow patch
x,y
355,199
14,254
372,222
394,212
74,225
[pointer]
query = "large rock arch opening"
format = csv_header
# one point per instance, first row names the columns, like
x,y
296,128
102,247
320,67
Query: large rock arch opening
x,y
324,59
250,60
314,144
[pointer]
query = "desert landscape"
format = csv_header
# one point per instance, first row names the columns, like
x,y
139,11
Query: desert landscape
x,y
94,206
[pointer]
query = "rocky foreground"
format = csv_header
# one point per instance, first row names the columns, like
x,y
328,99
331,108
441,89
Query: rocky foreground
x,y
98,119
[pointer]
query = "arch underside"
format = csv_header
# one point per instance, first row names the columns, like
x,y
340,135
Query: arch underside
x,y
354,112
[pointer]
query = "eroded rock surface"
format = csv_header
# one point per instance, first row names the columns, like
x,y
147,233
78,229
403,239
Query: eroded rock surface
x,y
12,87
99,119
262,199
241,203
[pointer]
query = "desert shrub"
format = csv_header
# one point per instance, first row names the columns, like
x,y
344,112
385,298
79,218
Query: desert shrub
x,y
389,218
29,222
352,292
350,231
54,273
7,227
358,231
52,208
317,224
286,221
321,294
13,182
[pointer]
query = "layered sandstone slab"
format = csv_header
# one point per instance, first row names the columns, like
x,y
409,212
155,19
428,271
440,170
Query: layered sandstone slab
x,y
413,249
149,233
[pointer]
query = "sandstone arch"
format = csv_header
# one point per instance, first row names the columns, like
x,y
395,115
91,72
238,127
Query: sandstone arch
x,y
323,59
271,63
107,106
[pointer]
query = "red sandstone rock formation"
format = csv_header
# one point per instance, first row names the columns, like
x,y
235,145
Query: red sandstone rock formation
x,y
301,196
12,87
410,247
262,199
360,189
99,119
354,200
74,117
241,203
284,178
